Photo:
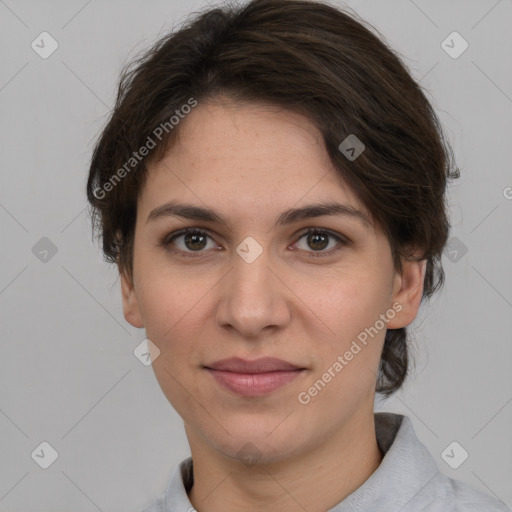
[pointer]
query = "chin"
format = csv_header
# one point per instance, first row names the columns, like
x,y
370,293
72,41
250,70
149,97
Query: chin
x,y
266,445
252,453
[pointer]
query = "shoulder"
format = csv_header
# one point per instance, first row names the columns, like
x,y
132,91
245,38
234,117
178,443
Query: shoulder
x,y
157,506
444,494
417,476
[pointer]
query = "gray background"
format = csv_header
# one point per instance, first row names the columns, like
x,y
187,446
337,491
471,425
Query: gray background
x,y
67,372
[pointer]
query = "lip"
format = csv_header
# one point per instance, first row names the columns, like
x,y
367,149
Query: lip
x,y
261,365
253,378
254,384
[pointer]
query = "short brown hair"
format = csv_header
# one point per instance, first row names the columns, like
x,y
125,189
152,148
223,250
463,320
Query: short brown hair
x,y
311,58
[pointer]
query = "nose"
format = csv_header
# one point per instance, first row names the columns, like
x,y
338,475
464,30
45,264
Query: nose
x,y
253,297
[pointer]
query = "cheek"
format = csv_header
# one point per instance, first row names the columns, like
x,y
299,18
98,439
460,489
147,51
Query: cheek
x,y
171,299
348,306
345,302
173,308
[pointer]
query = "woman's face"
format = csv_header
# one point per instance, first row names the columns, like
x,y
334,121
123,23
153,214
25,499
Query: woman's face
x,y
257,286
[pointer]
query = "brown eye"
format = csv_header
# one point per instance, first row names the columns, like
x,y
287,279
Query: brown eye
x,y
194,241
187,241
318,240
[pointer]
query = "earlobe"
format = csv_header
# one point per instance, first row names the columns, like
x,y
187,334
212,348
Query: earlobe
x,y
131,308
408,292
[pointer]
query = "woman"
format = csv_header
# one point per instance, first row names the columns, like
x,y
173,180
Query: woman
x,y
272,186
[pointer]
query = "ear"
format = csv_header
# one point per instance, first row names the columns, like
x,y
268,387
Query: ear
x,y
131,308
408,291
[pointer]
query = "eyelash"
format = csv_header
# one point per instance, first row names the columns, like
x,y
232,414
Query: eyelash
x,y
311,254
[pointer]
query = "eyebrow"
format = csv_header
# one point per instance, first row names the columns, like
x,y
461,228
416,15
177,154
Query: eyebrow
x,y
193,212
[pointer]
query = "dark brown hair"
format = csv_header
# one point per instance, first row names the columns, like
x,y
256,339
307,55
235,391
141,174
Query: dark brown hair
x,y
311,58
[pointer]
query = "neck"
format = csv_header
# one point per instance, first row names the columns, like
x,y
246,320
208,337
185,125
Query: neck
x,y
315,480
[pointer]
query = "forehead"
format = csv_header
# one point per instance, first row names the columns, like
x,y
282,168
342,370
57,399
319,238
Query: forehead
x,y
249,158
247,134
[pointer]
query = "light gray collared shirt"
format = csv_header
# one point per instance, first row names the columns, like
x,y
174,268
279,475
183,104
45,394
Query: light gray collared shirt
x,y
407,480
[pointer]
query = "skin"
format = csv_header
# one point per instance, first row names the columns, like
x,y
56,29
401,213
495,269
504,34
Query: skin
x,y
250,162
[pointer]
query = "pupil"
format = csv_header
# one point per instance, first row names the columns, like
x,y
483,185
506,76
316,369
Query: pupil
x,y
315,236
194,237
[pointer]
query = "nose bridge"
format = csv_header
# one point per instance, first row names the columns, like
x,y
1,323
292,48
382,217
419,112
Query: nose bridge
x,y
251,298
250,274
